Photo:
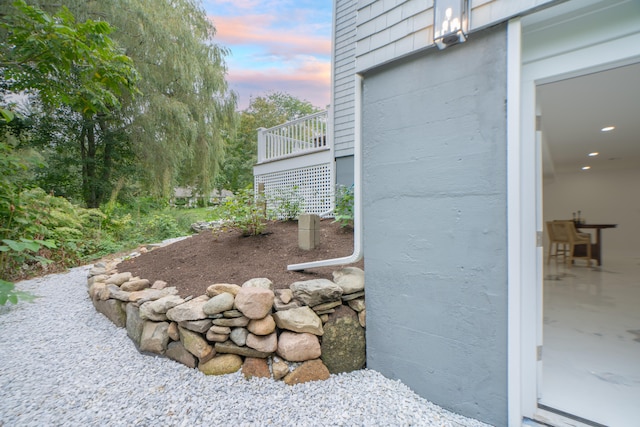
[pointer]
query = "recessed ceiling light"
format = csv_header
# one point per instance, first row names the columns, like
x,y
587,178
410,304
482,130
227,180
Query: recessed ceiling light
x,y
595,153
607,129
586,168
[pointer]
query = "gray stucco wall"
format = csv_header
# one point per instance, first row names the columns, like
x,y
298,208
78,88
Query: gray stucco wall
x,y
435,231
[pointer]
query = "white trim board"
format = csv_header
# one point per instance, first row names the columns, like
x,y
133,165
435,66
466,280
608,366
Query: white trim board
x,y
514,217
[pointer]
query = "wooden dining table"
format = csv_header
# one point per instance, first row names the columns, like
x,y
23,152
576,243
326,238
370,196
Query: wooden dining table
x,y
596,248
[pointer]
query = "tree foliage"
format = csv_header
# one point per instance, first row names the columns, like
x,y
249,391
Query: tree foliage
x,y
88,119
177,128
63,62
173,131
74,67
263,112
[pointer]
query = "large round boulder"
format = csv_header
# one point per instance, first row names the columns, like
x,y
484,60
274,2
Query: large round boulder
x,y
343,343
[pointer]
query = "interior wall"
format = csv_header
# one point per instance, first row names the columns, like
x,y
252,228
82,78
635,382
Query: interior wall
x,y
606,197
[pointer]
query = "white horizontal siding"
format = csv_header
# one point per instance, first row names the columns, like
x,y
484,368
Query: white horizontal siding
x,y
344,149
342,99
345,43
344,83
343,76
346,108
391,29
346,25
344,57
344,119
343,96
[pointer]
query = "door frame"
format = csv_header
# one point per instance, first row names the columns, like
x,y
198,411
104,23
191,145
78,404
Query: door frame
x,y
523,189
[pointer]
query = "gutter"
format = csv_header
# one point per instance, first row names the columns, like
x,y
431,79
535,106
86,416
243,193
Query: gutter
x,y
357,193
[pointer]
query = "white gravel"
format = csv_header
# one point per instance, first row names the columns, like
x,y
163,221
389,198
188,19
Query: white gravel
x,y
62,363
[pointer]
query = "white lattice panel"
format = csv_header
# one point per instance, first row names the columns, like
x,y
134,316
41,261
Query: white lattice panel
x,y
311,184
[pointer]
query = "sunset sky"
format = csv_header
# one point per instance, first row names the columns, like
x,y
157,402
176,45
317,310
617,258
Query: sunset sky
x,y
276,45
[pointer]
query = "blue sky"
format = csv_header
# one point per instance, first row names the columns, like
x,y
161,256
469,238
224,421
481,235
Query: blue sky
x,y
275,45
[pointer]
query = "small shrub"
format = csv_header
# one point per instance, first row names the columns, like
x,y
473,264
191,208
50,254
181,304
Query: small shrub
x,y
103,246
59,220
43,230
343,211
22,255
161,226
246,212
286,204
180,202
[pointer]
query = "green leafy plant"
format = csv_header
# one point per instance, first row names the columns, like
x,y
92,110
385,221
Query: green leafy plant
x,y
162,226
343,211
8,293
56,219
286,204
16,247
180,202
36,228
185,217
25,250
246,212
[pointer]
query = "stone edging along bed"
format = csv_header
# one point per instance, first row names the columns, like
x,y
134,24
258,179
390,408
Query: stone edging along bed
x,y
304,333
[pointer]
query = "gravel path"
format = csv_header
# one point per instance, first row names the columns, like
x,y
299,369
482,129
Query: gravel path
x,y
62,363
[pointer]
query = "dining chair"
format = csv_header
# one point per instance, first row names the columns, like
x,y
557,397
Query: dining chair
x,y
560,245
565,233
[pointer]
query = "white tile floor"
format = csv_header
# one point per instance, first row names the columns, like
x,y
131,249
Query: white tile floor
x,y
591,356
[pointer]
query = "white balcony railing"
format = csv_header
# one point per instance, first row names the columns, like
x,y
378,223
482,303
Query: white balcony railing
x,y
298,137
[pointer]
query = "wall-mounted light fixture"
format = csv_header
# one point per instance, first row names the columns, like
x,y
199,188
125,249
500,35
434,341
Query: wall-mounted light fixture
x,y
450,22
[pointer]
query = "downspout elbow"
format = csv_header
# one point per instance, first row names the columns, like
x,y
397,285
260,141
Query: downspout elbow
x,y
357,194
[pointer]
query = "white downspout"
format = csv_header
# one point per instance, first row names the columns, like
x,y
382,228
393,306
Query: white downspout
x,y
357,193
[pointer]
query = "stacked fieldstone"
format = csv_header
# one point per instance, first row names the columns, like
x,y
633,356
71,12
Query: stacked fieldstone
x,y
300,334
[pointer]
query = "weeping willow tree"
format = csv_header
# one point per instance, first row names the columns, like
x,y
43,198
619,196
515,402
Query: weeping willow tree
x,y
173,131
178,125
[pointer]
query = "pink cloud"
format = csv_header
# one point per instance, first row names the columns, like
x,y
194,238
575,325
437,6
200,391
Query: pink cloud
x,y
274,51
275,74
310,82
239,4
257,29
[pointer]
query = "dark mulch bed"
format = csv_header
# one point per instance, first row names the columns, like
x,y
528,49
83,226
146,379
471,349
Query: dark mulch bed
x,y
227,257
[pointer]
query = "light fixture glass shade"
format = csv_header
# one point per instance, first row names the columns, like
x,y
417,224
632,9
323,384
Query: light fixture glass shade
x,y
450,22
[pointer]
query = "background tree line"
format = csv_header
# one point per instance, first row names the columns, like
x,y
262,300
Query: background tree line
x,y
169,125
111,104
172,126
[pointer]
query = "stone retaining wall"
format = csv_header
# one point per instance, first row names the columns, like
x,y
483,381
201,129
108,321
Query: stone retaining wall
x,y
300,334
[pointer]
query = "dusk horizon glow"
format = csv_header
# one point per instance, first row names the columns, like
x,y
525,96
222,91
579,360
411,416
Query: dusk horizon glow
x,y
275,46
